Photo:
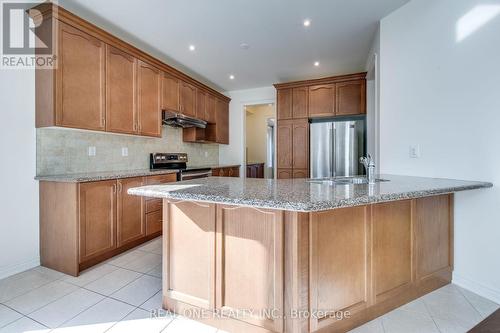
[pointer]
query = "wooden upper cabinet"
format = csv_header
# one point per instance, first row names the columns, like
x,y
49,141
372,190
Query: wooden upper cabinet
x,y
284,144
351,97
130,224
187,99
210,109
300,144
149,109
300,102
284,104
222,121
97,218
121,91
322,100
201,104
170,93
80,80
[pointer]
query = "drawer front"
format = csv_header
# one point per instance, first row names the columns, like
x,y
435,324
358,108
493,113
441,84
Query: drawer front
x,y
161,179
153,205
153,222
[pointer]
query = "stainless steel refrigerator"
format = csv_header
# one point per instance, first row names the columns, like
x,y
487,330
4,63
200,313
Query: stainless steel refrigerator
x,y
336,146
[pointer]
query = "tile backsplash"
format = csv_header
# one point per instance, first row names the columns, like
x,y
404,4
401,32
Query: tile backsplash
x,y
64,151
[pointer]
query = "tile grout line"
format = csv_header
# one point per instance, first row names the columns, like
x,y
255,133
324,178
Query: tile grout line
x,y
463,295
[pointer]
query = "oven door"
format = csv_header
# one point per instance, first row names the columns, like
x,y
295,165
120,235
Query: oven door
x,y
195,174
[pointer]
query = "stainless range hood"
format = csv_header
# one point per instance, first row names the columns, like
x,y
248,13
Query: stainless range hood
x,y
178,120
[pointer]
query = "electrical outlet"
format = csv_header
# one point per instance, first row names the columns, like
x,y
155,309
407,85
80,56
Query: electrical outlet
x,y
206,153
415,151
124,151
92,151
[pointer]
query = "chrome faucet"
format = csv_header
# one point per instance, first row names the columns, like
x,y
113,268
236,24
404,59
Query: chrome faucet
x,y
369,165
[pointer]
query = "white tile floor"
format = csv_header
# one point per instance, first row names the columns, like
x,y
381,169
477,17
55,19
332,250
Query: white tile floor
x,y
118,296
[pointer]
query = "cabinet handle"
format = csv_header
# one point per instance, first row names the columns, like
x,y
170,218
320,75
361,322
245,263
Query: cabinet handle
x,y
120,187
114,188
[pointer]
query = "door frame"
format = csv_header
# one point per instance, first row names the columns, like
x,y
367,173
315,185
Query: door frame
x,y
244,104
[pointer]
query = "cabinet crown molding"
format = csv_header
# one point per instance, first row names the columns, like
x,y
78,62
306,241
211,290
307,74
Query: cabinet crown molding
x,y
324,80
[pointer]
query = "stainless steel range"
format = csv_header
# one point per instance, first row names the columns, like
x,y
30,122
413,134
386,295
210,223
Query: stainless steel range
x,y
177,161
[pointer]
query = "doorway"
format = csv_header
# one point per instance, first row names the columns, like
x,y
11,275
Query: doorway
x,y
260,140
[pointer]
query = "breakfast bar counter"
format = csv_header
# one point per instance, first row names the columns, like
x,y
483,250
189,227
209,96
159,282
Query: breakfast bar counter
x,y
256,255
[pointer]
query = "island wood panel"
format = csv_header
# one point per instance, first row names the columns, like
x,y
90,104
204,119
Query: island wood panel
x,y
392,248
285,144
250,264
322,100
296,271
97,218
189,253
149,100
434,237
59,226
300,102
131,224
80,80
340,270
284,106
121,91
170,93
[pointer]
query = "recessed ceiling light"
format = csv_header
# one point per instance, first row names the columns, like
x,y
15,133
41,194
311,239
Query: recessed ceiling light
x,y
307,22
244,46
231,77
192,47
316,63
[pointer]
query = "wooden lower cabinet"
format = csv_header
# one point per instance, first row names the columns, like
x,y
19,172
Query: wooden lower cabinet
x,y
130,212
255,170
285,174
97,218
226,172
340,268
82,224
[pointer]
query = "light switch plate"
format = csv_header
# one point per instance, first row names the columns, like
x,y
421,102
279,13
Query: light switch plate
x,y
92,150
415,151
206,153
124,151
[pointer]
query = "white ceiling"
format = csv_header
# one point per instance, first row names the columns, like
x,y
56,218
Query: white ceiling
x,y
281,49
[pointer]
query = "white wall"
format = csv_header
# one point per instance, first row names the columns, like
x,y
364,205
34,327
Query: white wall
x,y
444,95
19,248
235,151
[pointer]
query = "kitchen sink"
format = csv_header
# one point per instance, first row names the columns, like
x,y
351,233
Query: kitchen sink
x,y
344,180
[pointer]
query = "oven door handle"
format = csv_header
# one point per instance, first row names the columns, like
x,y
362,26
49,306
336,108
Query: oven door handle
x,y
199,174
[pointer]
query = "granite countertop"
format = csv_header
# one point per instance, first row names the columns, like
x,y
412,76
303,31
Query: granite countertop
x,y
301,195
106,175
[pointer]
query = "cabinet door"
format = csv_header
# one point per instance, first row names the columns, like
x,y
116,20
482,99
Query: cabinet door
x,y
300,144
249,264
300,173
285,173
351,97
222,121
284,144
187,99
210,109
322,100
170,93
97,218
121,115
149,85
201,104
80,80
284,104
130,212
299,102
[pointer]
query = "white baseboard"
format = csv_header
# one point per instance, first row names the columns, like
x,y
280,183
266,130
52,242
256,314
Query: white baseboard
x,y
7,271
477,288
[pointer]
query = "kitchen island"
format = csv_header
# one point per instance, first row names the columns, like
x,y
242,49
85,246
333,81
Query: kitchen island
x,y
255,255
